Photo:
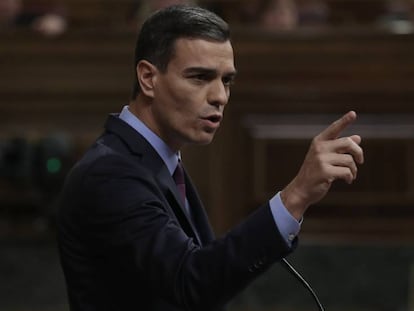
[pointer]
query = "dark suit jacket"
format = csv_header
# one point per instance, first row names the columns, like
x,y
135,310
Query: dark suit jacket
x,y
126,243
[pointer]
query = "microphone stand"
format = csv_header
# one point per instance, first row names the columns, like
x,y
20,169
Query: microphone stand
x,y
297,275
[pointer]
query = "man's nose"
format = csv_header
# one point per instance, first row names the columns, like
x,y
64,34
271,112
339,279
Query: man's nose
x,y
218,94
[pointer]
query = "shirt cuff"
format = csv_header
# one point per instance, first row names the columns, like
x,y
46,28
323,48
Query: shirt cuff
x,y
288,226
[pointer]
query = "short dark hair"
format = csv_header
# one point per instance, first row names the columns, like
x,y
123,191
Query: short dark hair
x,y
160,31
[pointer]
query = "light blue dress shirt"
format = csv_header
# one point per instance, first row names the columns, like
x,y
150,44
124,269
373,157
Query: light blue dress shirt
x,y
288,226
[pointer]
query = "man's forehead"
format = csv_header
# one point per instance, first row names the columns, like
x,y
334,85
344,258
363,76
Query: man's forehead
x,y
197,51
197,44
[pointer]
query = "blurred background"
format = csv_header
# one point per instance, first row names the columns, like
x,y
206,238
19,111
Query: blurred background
x,y
66,64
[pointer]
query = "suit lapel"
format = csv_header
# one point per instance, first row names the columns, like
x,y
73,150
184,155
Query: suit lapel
x,y
199,215
170,189
149,158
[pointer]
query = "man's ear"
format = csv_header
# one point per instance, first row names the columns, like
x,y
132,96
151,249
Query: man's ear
x,y
146,74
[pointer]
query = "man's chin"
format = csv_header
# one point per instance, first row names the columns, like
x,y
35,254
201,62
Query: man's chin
x,y
206,139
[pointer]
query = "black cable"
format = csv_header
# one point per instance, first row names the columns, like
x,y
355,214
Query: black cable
x,y
297,275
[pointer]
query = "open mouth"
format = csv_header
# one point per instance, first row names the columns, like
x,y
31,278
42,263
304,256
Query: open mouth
x,y
214,118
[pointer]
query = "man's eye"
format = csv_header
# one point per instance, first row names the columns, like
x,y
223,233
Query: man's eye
x,y
200,77
227,81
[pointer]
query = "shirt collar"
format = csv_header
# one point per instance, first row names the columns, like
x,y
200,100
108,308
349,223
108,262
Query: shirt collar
x,y
169,157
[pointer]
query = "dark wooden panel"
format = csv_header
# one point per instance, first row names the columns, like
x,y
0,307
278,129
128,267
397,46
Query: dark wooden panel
x,y
69,85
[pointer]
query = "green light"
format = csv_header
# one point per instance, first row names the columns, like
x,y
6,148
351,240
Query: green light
x,y
53,165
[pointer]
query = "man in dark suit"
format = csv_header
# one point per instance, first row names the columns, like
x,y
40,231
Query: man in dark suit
x,y
133,234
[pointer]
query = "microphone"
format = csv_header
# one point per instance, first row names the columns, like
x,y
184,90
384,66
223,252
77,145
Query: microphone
x,y
297,275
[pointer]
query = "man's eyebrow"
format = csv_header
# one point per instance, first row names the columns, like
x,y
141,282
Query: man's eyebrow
x,y
208,71
200,70
232,74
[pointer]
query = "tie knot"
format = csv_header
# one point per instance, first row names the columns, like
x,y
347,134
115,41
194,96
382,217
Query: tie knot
x,y
179,174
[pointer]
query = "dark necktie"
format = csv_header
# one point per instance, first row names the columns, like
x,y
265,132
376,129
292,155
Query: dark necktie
x,y
179,180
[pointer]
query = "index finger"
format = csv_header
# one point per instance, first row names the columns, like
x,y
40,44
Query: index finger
x,y
333,130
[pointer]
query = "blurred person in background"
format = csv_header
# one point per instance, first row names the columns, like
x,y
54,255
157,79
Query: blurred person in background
x,y
9,9
46,17
313,13
262,14
141,9
274,15
398,16
280,15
